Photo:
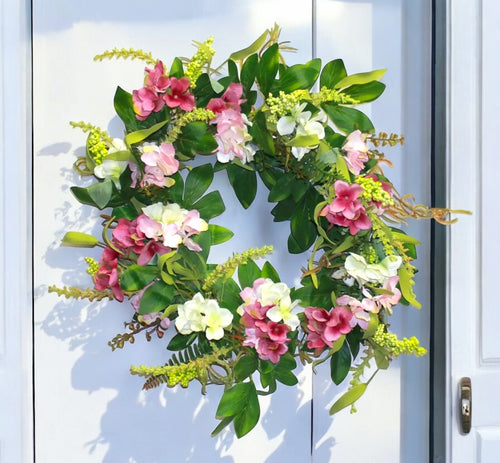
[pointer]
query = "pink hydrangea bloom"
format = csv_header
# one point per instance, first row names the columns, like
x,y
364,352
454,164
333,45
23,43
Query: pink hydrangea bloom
x,y
145,102
156,78
346,209
388,300
179,96
160,163
231,99
360,309
326,327
356,152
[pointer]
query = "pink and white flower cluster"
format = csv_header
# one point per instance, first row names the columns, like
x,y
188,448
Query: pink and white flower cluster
x,y
232,135
171,225
159,164
346,209
160,90
267,315
356,152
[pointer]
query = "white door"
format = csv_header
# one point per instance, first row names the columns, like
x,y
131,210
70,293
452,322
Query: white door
x,y
84,394
474,317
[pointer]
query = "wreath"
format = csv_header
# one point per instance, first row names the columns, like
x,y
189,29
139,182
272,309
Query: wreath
x,y
236,323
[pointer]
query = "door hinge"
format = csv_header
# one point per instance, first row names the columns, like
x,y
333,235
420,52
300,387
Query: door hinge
x,y
465,405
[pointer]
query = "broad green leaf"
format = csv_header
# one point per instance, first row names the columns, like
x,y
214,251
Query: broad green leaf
x,y
284,210
345,245
234,400
181,341
127,211
404,238
219,234
176,69
244,183
232,70
197,182
282,189
156,298
140,135
99,192
79,240
303,230
340,363
333,72
348,119
248,71
176,191
245,367
268,271
293,246
361,78
261,135
246,420
286,377
406,284
124,107
268,68
248,273
137,277
251,49
303,140
121,156
224,422
299,76
210,206
353,394
195,138
365,93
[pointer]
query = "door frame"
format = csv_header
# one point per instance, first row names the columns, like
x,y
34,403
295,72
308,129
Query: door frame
x,y
16,356
16,265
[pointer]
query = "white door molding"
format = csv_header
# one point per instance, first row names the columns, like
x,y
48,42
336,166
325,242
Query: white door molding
x,y
16,425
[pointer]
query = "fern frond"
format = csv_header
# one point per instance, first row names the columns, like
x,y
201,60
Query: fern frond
x,y
126,53
77,293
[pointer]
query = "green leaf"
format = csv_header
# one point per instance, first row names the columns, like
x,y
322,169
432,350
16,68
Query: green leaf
x,y
268,68
248,273
342,169
210,206
286,377
251,49
284,210
372,326
156,298
303,140
361,78
333,72
406,284
245,367
124,107
224,422
261,135
181,341
348,119
219,234
246,420
234,400
268,271
244,183
248,71
197,182
340,363
79,240
195,138
176,191
232,70
353,394
299,76
98,194
176,69
365,93
345,245
128,211
283,188
140,135
303,230
137,277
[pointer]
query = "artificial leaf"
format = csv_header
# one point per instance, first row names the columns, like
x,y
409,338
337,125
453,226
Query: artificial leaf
x,y
141,135
268,271
348,119
340,363
246,420
268,67
365,93
219,234
406,284
234,400
248,71
197,182
248,273
299,76
156,298
361,78
332,72
210,206
244,183
353,394
137,277
245,367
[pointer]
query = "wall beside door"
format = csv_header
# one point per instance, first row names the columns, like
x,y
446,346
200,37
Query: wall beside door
x,y
84,394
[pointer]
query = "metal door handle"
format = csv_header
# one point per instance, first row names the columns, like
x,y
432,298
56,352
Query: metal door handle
x,y
465,405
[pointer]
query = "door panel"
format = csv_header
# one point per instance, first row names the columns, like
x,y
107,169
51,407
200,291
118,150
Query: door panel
x,y
473,310
84,392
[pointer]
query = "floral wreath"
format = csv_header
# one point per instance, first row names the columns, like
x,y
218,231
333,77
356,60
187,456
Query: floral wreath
x,y
319,158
